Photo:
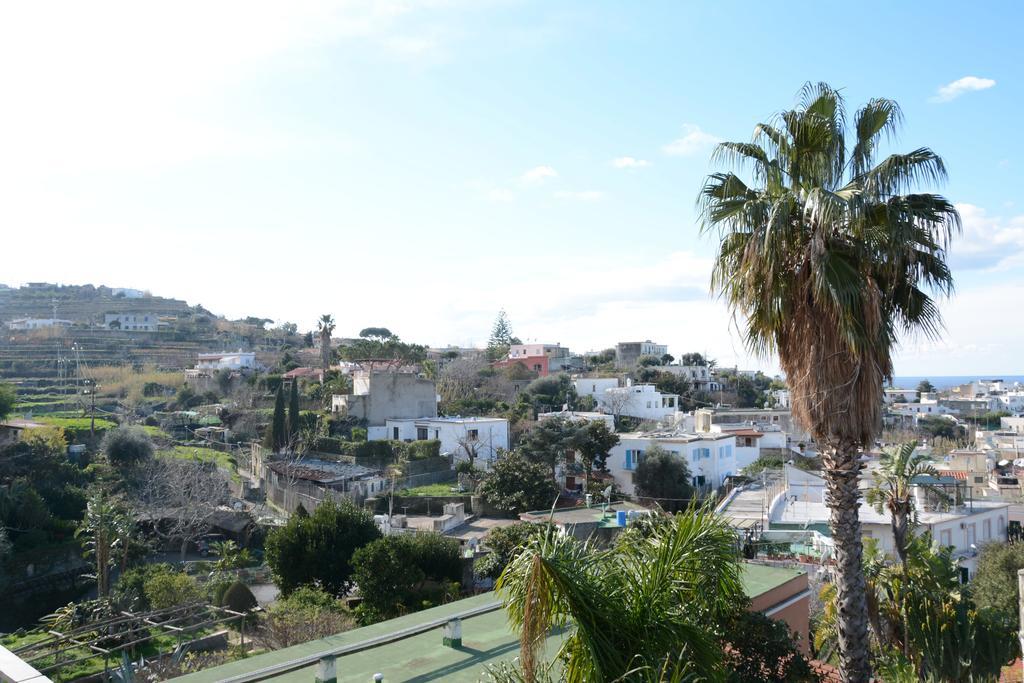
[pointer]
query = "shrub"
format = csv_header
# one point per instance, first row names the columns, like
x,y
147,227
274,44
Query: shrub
x,y
171,589
126,446
421,450
317,549
239,598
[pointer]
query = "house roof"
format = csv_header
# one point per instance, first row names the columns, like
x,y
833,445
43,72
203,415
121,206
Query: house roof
x,y
323,471
486,640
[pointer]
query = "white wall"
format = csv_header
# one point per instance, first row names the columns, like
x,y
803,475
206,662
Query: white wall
x,y
713,459
491,435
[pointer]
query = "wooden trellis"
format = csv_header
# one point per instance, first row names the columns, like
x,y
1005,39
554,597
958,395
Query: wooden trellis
x,y
130,628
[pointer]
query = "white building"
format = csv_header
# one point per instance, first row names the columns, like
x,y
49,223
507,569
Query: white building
x,y
899,395
642,401
710,457
127,293
237,360
136,322
781,398
920,409
699,376
482,437
1012,424
37,323
965,527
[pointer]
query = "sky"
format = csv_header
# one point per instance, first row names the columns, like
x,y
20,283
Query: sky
x,y
423,164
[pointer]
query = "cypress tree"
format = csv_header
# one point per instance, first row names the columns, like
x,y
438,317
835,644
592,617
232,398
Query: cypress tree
x,y
277,434
293,412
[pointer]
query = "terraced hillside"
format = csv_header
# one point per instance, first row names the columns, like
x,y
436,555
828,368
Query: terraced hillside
x,y
35,359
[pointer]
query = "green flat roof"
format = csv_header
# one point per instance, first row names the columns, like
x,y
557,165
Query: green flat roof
x,y
486,639
760,578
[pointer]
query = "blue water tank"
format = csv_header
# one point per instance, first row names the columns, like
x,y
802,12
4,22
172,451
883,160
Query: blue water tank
x,y
620,517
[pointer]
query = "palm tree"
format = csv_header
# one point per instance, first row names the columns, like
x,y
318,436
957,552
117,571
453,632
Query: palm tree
x,y
893,490
642,604
829,258
324,328
106,528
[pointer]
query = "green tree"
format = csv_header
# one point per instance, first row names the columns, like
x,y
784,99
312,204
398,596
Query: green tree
x,y
404,573
994,585
592,443
126,446
294,418
648,361
548,442
622,605
761,649
324,329
892,490
316,550
7,399
504,544
925,387
663,476
828,259
276,437
516,484
106,532
171,589
501,337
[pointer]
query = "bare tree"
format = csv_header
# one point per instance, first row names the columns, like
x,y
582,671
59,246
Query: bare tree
x,y
179,498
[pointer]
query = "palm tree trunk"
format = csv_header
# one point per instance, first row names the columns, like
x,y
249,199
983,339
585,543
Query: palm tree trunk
x,y
843,500
900,529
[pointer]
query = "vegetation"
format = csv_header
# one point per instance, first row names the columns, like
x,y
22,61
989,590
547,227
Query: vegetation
x,y
504,545
404,573
994,586
325,328
501,338
306,614
925,387
7,399
316,550
828,260
276,438
170,589
622,604
892,492
127,446
516,484
663,477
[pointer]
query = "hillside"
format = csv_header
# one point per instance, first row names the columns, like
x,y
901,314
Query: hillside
x,y
31,357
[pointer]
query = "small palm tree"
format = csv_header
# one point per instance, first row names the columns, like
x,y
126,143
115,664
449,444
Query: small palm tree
x,y
105,529
829,257
899,467
324,328
643,604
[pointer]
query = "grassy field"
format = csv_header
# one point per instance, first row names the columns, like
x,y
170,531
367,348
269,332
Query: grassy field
x,y
76,423
223,460
443,489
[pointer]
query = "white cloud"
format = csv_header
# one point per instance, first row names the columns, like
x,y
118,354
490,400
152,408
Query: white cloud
x,y
538,174
630,163
582,196
693,141
987,242
967,84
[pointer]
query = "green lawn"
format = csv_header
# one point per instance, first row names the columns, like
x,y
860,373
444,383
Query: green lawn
x,y
443,489
223,460
76,423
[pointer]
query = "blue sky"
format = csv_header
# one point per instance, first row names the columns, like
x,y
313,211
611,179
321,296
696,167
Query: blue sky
x,y
423,164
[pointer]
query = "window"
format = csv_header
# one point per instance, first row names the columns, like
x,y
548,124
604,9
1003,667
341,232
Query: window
x,y
946,538
629,459
986,529
421,433
394,433
979,480
474,434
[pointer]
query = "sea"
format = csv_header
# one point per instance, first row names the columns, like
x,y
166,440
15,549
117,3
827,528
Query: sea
x,y
941,382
